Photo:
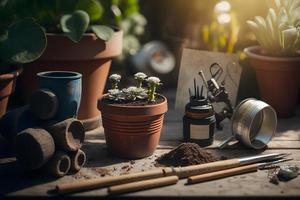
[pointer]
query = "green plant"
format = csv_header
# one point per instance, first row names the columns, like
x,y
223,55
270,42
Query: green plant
x,y
279,33
140,77
22,42
72,18
132,93
114,80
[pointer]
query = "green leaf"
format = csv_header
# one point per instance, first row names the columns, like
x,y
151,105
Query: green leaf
x,y
103,32
92,7
74,25
23,42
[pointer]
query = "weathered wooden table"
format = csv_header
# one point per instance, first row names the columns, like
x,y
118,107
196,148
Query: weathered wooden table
x,y
15,183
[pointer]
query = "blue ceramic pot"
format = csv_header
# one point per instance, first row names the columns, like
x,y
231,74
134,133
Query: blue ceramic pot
x,y
67,87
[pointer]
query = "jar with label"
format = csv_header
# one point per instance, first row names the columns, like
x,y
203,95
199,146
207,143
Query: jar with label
x,y
199,122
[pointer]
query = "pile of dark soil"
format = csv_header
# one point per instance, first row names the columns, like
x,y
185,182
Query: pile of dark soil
x,y
186,154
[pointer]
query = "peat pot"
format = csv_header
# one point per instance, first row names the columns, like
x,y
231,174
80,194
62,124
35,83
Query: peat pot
x,y
278,79
132,132
66,86
91,57
7,87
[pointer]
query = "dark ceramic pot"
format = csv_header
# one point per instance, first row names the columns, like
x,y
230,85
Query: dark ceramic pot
x,y
132,132
67,87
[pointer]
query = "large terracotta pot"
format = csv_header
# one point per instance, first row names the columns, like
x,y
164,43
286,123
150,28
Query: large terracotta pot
x,y
7,87
278,79
91,57
132,132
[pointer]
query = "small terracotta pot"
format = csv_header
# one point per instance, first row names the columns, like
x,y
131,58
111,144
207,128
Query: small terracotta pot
x,y
7,87
91,57
278,79
132,132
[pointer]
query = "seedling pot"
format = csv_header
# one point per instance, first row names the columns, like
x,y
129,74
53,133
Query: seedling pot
x,y
132,132
7,87
67,87
91,57
278,79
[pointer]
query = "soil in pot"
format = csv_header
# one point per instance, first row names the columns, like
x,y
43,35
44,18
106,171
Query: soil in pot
x,y
278,80
91,57
132,130
7,86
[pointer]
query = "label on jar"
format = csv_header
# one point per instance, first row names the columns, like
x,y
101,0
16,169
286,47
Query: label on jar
x,y
199,132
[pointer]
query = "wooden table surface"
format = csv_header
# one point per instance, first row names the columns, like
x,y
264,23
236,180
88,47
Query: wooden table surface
x,y
14,182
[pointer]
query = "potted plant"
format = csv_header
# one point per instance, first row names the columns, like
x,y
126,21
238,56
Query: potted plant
x,y
133,117
78,39
17,46
277,59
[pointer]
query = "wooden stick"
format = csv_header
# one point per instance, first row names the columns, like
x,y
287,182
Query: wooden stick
x,y
181,172
143,185
222,174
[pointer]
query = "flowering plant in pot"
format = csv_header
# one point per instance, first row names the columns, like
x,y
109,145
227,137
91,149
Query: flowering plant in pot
x,y
82,36
277,59
133,117
17,46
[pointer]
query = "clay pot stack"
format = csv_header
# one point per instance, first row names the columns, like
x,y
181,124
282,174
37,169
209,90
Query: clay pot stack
x,y
40,141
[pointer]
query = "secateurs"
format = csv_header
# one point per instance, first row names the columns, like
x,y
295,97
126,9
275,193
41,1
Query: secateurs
x,y
218,93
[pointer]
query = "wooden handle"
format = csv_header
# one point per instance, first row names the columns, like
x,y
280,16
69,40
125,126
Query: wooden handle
x,y
222,174
184,172
143,185
181,172
107,181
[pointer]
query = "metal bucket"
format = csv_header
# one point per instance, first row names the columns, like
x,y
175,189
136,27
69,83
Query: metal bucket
x,y
254,124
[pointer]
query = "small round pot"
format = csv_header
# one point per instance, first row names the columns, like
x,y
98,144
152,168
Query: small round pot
x,y
132,132
7,87
91,57
278,79
67,87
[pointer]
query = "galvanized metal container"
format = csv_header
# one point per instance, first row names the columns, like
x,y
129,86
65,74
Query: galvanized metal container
x,y
254,124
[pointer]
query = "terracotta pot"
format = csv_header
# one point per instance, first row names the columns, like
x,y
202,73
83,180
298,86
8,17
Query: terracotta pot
x,y
132,132
278,79
91,57
7,87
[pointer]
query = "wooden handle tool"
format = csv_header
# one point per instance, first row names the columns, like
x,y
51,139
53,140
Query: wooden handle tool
x,y
222,174
181,172
143,185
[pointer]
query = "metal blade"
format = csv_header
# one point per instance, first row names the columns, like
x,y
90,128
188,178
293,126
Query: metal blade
x,y
260,158
263,165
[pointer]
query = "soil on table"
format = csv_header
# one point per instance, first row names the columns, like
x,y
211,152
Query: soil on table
x,y
159,99
184,155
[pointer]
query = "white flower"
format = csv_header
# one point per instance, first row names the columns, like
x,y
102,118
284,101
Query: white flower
x,y
114,91
140,75
115,77
153,80
134,93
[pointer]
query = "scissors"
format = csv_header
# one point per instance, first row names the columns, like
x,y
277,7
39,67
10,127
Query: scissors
x,y
216,71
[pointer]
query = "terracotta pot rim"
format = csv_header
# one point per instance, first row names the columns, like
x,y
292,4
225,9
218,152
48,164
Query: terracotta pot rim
x,y
135,107
252,53
86,35
12,75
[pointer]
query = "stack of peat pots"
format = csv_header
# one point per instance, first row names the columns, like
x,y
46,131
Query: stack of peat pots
x,y
45,134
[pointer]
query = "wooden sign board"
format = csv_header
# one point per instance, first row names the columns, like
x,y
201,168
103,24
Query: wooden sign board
x,y
193,61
